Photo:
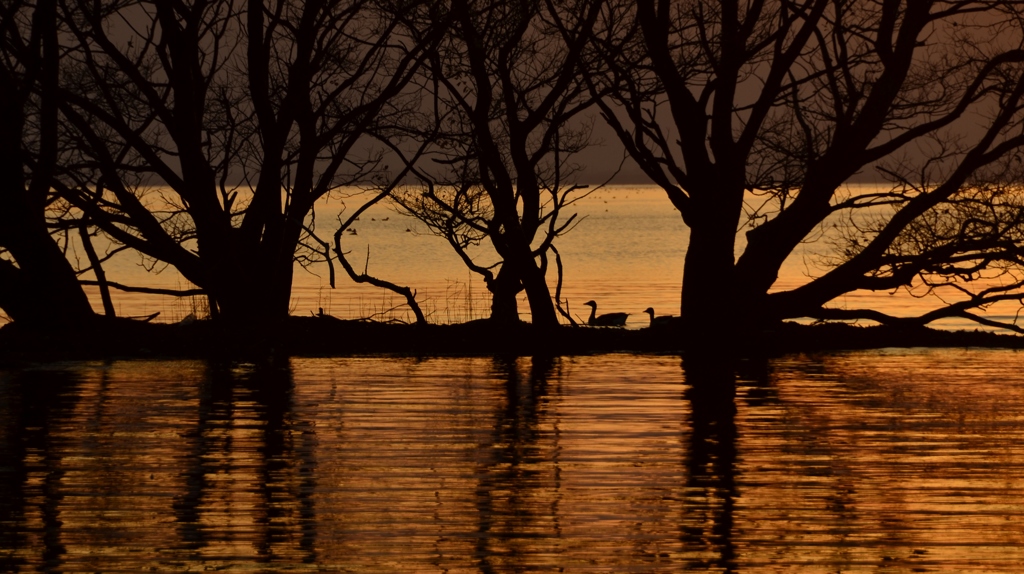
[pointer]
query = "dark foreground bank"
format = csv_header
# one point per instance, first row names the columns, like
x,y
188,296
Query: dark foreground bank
x,y
325,336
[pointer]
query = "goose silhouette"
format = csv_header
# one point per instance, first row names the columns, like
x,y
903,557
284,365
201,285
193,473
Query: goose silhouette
x,y
606,320
662,321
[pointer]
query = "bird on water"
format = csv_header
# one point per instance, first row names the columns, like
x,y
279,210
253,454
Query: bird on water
x,y
662,321
606,320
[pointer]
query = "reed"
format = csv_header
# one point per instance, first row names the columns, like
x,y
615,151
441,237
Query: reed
x,y
459,302
181,307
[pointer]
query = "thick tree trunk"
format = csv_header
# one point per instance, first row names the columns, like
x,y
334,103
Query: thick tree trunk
x,y
710,312
39,286
514,247
520,261
249,276
250,301
42,289
505,290
707,302
251,295
542,308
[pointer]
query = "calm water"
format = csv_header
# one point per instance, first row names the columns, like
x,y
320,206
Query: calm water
x,y
627,253
890,461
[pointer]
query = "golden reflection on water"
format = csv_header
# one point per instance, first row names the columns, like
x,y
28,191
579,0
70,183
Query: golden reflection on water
x,y
627,253
892,461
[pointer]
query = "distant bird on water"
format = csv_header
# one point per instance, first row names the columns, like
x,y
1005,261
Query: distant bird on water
x,y
606,320
662,321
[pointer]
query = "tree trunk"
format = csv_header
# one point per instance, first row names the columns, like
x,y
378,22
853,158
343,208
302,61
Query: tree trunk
x,y
542,309
251,296
42,286
42,289
709,309
39,286
505,290
520,261
249,281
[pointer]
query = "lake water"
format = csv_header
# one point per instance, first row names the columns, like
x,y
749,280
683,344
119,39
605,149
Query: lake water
x,y
882,461
626,253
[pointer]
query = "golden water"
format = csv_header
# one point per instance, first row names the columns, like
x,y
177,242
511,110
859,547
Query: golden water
x,y
626,253
891,461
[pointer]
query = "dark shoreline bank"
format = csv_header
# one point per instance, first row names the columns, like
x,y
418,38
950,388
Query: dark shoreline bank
x,y
328,337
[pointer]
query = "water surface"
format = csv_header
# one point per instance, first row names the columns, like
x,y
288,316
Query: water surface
x,y
626,253
892,461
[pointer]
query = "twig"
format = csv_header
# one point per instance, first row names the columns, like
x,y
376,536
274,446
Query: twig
x,y
149,290
97,269
409,294
558,290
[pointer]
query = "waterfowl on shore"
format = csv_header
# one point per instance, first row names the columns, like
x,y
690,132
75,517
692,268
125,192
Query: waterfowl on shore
x,y
662,321
606,320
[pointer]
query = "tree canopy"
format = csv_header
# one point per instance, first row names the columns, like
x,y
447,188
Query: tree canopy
x,y
753,118
246,112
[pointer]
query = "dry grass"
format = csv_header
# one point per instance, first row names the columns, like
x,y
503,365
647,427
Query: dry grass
x,y
460,302
196,305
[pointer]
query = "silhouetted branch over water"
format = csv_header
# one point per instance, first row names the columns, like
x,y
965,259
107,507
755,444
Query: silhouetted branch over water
x,y
202,137
754,118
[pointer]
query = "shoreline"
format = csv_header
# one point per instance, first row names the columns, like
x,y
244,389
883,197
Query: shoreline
x,y
329,337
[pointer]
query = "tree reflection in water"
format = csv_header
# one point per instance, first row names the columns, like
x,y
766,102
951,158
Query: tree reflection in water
x,y
251,483
711,464
519,498
246,432
514,470
596,463
32,403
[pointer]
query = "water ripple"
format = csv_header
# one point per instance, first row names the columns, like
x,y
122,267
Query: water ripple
x,y
893,461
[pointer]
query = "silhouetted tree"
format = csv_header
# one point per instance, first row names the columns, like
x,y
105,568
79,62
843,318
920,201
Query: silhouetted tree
x,y
752,116
37,282
509,94
245,113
